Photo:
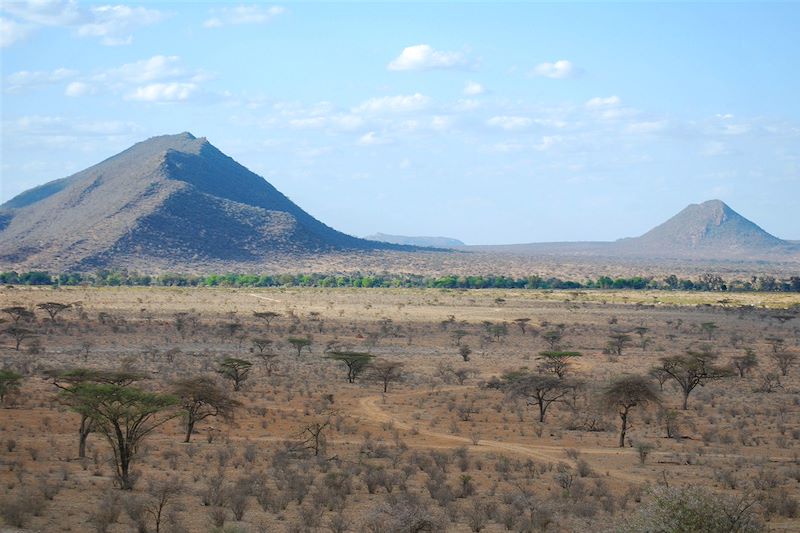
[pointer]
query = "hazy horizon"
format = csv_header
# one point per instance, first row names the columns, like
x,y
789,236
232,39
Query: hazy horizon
x,y
492,124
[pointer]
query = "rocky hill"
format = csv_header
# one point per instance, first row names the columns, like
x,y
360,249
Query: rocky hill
x,y
171,202
708,230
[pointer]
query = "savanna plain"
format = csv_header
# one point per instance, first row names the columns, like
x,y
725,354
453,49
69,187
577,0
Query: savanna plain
x,y
383,410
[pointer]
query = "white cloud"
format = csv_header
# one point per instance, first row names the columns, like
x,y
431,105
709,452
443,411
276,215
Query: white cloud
x,y
26,79
547,142
653,126
317,116
551,123
424,57
735,129
105,127
308,122
393,104
112,24
371,139
78,88
599,102
466,104
441,123
509,122
559,70
163,92
59,128
715,149
252,14
506,147
46,12
11,32
472,88
159,78
156,68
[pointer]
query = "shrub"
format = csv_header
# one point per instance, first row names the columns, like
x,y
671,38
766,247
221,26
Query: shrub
x,y
674,510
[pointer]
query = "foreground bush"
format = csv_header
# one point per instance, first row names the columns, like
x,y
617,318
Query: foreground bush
x,y
685,510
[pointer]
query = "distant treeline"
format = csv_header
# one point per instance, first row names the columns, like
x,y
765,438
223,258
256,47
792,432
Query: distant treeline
x,y
105,278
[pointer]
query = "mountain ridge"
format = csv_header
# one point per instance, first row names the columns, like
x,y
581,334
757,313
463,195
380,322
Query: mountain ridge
x,y
176,202
174,197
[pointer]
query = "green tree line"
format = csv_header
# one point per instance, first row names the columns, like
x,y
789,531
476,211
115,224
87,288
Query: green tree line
x,y
103,278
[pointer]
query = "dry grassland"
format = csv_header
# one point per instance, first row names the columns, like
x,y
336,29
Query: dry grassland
x,y
440,446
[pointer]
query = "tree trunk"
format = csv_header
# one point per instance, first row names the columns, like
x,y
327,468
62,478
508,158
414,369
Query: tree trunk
x,y
189,429
124,468
385,386
83,434
624,429
686,400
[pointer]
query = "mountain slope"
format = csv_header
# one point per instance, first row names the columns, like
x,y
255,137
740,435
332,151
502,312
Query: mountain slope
x,y
711,229
175,199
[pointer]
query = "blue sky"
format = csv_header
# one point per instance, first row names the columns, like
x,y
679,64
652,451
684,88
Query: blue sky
x,y
492,123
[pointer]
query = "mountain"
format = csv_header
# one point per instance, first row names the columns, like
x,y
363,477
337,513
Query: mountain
x,y
700,232
174,201
431,242
708,230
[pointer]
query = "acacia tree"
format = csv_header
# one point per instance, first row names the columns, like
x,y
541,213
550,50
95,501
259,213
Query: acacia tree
x,y
386,372
458,335
17,313
553,338
641,331
9,382
181,321
299,343
160,497
745,363
555,362
692,370
498,330
19,334
709,328
268,359
617,341
784,359
356,362
659,375
236,370
537,389
200,398
522,324
266,316
262,343
53,308
66,380
124,416
313,434
464,351
624,394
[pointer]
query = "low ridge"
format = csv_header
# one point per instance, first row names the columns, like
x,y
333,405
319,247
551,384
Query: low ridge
x,y
431,242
